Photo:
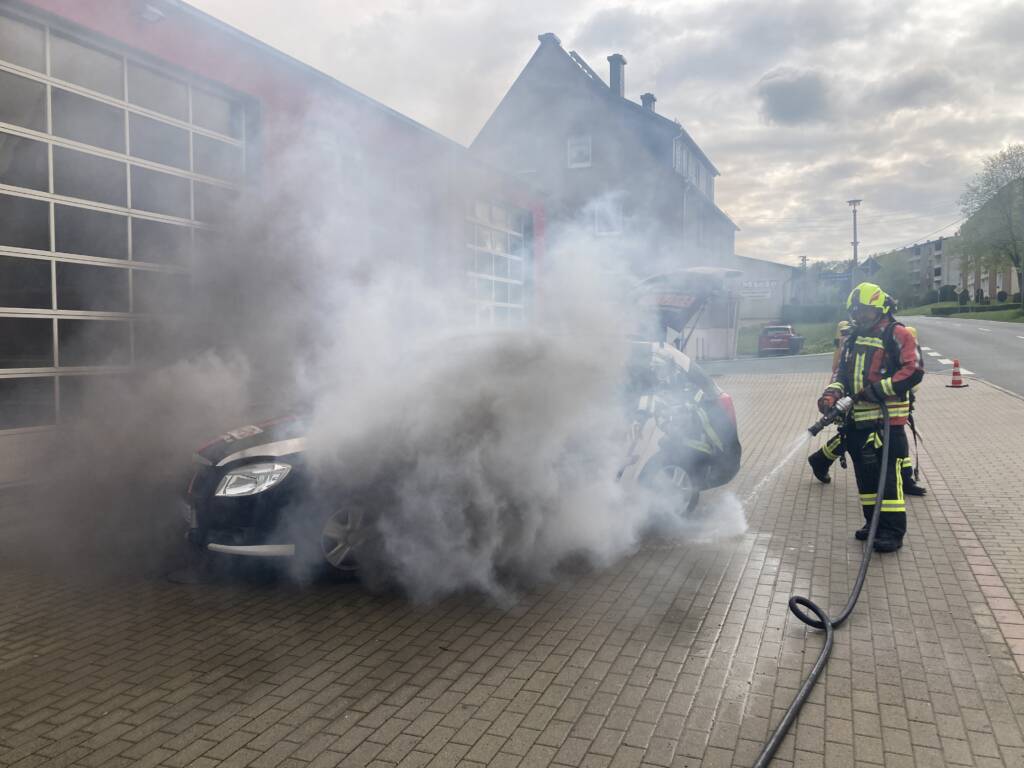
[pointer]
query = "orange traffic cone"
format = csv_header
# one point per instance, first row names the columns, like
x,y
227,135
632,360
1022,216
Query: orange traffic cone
x,y
958,382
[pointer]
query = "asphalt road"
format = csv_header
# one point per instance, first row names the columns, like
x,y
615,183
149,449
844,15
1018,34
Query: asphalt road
x,y
991,350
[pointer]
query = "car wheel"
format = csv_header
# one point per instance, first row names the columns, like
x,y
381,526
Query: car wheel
x,y
675,486
678,481
341,535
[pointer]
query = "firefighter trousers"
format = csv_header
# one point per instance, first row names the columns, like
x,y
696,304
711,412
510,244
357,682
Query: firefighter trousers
x,y
830,451
901,444
864,443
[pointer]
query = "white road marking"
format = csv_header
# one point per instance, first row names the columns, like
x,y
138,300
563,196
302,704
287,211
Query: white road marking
x,y
965,372
985,330
926,349
1020,337
932,354
946,361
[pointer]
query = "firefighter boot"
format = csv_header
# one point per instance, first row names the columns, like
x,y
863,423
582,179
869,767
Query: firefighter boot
x,y
862,533
820,465
910,486
913,489
892,527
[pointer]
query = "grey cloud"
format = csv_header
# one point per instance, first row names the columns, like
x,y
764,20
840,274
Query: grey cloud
x,y
913,89
791,97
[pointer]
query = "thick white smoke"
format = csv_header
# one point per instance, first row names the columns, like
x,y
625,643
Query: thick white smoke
x,y
492,457
500,449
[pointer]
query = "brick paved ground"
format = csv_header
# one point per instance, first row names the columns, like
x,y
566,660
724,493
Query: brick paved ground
x,y
682,655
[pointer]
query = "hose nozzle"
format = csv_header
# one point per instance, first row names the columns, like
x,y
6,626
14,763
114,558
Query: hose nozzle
x,y
837,413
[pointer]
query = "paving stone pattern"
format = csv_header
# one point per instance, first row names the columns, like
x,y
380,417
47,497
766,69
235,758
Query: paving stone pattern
x,y
682,655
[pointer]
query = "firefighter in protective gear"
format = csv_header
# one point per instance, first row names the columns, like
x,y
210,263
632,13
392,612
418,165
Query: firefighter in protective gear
x,y
821,460
879,361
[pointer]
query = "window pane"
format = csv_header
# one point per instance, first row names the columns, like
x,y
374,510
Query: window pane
x,y
159,142
216,158
210,244
213,204
22,44
24,283
153,90
92,233
501,292
156,341
26,342
83,65
87,120
26,402
160,193
22,101
94,289
216,113
78,392
93,342
484,263
77,174
159,292
159,242
24,163
24,223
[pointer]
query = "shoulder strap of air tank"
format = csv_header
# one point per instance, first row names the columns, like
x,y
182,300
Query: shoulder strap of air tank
x,y
892,349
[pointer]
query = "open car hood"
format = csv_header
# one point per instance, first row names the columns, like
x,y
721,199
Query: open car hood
x,y
681,294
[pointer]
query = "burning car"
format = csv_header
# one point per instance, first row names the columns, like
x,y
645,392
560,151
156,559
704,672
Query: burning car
x,y
252,492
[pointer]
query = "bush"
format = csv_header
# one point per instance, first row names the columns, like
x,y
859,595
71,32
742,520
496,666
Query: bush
x,y
1001,297
1016,297
930,297
964,297
812,313
947,311
948,293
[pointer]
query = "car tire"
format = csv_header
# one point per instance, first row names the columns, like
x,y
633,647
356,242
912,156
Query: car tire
x,y
671,478
343,532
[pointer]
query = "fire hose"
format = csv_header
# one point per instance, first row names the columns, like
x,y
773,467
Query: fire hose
x,y
821,620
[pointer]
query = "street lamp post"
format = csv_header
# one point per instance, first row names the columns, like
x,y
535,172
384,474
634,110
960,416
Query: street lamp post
x,y
853,204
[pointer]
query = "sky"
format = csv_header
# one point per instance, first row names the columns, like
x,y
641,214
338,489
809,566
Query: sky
x,y
801,105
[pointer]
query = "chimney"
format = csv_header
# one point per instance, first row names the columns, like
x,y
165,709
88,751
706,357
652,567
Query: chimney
x,y
549,38
648,99
617,74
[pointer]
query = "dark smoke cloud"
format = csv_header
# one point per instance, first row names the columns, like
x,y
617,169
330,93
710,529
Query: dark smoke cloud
x,y
793,97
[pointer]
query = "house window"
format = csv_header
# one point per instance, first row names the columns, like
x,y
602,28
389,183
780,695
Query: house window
x,y
608,217
578,151
497,263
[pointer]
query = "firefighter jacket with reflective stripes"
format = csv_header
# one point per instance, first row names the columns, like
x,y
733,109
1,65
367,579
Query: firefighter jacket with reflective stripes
x,y
883,363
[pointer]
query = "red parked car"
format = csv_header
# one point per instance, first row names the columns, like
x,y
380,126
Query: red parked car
x,y
779,340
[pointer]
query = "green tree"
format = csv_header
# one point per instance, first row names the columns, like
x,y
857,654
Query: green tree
x,y
894,279
992,236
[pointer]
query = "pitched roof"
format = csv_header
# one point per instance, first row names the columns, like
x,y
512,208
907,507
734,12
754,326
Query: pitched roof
x,y
652,118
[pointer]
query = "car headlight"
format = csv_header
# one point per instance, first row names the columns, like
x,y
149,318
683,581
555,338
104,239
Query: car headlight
x,y
252,479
